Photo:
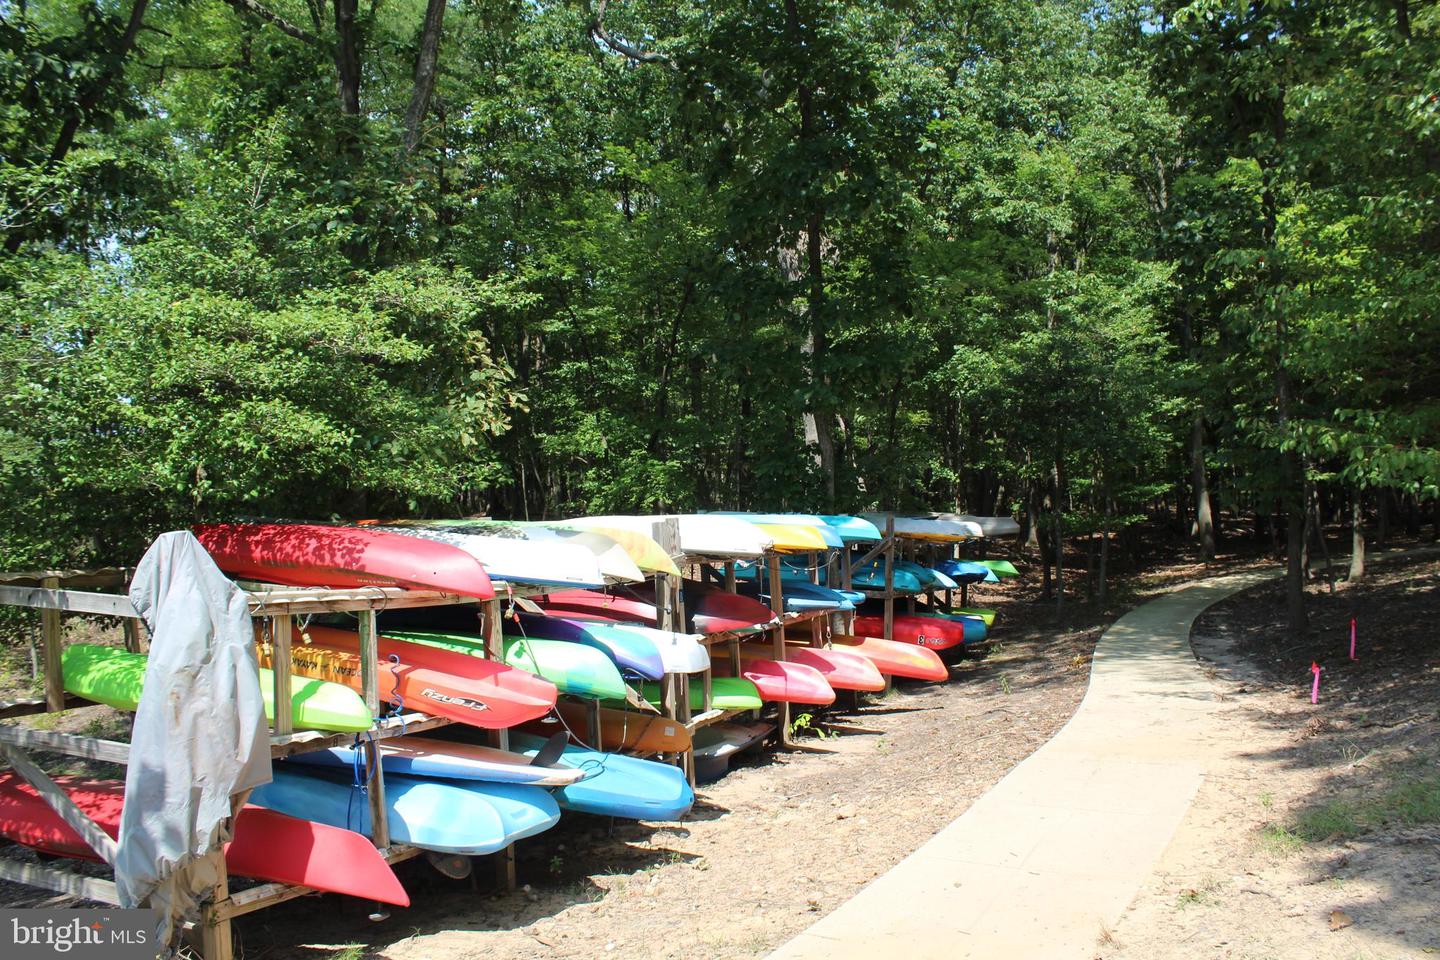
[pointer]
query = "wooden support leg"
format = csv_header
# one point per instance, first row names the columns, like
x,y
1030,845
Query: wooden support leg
x,y
52,636
505,870
217,940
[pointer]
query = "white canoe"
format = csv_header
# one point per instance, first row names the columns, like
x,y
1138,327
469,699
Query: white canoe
x,y
612,557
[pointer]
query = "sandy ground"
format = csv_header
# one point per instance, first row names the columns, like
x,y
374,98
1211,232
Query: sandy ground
x,y
1318,835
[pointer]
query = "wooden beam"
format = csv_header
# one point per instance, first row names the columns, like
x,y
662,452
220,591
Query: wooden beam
x,y
70,601
33,705
60,881
52,639
307,741
71,579
217,941
98,840
110,751
889,576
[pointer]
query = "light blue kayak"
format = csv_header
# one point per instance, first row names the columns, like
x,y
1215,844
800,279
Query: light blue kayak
x,y
470,817
632,653
802,595
853,529
617,786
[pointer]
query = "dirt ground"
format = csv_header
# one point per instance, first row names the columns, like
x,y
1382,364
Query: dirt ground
x,y
1318,836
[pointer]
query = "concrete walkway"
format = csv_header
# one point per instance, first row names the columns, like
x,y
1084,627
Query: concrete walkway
x,y
1052,855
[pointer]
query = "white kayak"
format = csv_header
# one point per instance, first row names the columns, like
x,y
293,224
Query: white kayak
x,y
928,528
423,757
516,560
701,534
992,526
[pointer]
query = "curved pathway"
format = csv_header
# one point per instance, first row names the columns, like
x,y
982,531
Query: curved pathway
x,y
1048,859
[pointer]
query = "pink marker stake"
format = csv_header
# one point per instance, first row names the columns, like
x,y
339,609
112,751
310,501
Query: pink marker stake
x,y
1352,638
1315,687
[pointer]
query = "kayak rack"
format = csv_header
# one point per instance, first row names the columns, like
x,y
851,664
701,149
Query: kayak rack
x,y
57,592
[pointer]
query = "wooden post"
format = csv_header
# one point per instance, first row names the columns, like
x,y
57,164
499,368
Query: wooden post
x,y
217,941
817,629
53,637
281,633
131,628
777,606
370,687
504,862
889,576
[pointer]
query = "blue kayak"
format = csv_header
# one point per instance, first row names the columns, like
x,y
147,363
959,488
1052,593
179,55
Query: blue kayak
x,y
965,571
617,786
802,595
633,653
452,816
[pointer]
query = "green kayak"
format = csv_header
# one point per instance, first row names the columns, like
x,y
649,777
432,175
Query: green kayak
x,y
115,677
574,669
984,613
726,693
1002,568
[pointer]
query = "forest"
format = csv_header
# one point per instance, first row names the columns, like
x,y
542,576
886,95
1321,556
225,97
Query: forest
x,y
1074,262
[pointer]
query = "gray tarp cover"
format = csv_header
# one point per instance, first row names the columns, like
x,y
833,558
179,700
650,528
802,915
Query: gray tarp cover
x,y
200,732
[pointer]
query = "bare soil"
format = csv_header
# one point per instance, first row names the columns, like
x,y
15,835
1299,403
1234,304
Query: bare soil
x,y
1318,835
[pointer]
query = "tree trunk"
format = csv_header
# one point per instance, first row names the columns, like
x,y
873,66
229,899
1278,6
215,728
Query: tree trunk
x,y
347,57
1357,536
1204,521
1058,535
426,62
1104,593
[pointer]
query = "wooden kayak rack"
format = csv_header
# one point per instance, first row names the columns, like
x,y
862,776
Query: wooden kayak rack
x,y
56,592
273,608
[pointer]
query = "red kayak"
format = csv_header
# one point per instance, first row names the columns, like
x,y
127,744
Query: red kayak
x,y
709,611
314,555
783,682
841,669
931,632
470,690
605,607
896,659
266,846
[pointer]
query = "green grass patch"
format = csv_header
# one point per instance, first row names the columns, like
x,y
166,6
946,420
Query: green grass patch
x,y
1410,802
1279,840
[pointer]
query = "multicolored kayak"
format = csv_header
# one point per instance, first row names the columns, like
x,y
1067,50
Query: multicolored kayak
x,y
632,652
115,677
678,652
619,729
700,534
976,629
618,786
423,757
315,555
842,669
442,683
578,670
648,555
612,558
266,846
452,816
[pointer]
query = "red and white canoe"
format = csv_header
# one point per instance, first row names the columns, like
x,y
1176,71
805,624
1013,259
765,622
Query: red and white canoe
x,y
266,846
316,555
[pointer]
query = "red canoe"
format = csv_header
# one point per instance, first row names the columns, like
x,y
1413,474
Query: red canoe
x,y
605,607
842,669
896,659
267,845
931,632
470,690
314,555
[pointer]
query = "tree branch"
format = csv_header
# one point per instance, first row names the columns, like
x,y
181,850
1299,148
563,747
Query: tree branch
x,y
425,67
598,31
260,12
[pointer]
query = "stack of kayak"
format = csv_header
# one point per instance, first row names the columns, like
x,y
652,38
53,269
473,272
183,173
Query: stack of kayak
x,y
576,678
